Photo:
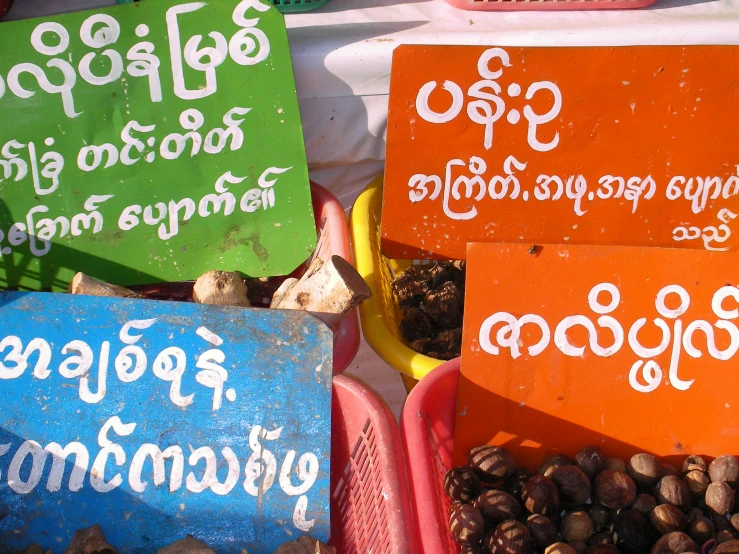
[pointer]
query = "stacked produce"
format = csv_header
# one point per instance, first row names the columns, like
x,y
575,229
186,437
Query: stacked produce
x,y
431,299
592,504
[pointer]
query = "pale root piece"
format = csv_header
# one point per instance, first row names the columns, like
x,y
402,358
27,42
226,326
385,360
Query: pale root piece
x,y
305,545
84,284
332,287
281,292
223,288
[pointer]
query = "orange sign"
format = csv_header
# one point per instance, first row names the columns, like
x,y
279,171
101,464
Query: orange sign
x,y
628,146
623,348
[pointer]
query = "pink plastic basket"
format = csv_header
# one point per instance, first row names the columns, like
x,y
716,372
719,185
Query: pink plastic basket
x,y
333,240
503,5
427,427
370,508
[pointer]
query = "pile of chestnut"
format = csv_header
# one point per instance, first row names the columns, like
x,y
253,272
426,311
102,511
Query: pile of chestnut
x,y
593,504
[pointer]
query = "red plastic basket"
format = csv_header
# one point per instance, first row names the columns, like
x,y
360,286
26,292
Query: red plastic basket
x,y
370,508
427,427
333,240
503,5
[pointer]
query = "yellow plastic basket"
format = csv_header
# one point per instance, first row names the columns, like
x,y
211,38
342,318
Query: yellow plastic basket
x,y
380,314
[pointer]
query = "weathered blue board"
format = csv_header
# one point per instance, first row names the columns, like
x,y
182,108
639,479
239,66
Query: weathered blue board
x,y
184,418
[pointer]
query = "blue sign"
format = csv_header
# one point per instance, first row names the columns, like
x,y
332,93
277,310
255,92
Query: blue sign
x,y
162,419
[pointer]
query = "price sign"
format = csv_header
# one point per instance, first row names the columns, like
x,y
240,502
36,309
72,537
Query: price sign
x,y
570,346
162,419
150,142
615,146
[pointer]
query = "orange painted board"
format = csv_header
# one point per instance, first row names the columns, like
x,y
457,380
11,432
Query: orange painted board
x,y
629,146
629,349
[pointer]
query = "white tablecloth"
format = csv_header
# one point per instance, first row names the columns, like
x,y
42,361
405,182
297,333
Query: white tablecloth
x,y
342,56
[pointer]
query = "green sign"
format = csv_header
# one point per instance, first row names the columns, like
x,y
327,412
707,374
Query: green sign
x,y
150,142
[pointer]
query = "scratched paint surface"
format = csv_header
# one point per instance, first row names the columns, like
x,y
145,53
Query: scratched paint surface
x,y
243,394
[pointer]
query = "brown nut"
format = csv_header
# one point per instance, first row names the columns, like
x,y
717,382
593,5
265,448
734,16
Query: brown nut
x,y
674,543
615,464
694,513
669,469
579,546
515,483
614,489
697,482
726,547
492,464
461,484
666,518
631,531
551,462
471,550
466,525
644,504
645,469
576,526
694,463
573,485
510,537
701,530
590,460
600,516
725,535
542,531
720,498
734,522
540,496
604,537
497,506
673,490
560,548
602,549
724,468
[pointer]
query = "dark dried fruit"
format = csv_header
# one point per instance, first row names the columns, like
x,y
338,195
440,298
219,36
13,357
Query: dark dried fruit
x,y
466,525
726,547
631,531
461,484
724,536
697,482
492,464
590,460
644,504
415,325
573,485
604,537
720,498
447,344
471,550
442,272
540,496
602,549
693,463
701,530
579,546
724,468
614,489
645,469
720,522
560,548
497,506
694,513
515,483
411,286
600,516
668,469
551,462
422,346
542,531
673,490
668,519
576,526
615,464
674,543
510,537
444,305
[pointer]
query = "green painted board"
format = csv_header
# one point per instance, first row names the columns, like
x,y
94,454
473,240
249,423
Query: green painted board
x,y
150,142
